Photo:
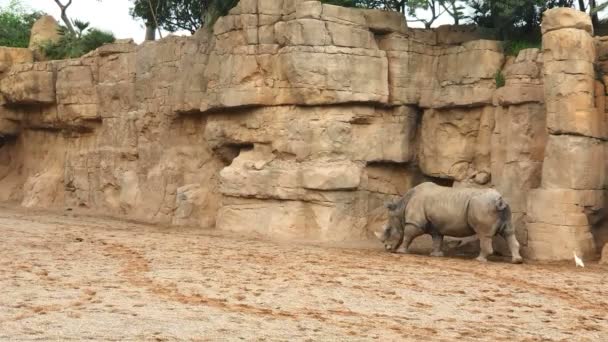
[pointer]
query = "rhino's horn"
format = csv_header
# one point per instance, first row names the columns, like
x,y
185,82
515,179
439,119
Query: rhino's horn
x,y
378,235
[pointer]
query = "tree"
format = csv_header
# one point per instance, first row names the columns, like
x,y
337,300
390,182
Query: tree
x,y
436,9
73,45
454,9
16,24
176,15
64,15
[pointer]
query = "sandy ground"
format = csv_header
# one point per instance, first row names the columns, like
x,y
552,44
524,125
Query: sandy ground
x,y
69,277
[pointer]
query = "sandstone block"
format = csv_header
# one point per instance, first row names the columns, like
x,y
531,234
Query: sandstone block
x,y
343,15
571,163
565,207
288,220
555,242
28,86
568,44
309,32
45,29
383,22
560,18
604,258
408,76
189,201
454,63
11,56
8,128
309,9
518,93
456,34
448,142
459,95
331,176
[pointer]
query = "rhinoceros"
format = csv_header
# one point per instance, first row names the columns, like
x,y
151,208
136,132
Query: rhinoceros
x,y
443,211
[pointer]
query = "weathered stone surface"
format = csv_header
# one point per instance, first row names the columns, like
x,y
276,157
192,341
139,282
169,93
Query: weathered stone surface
x,y
76,93
566,207
604,258
568,44
298,120
450,142
571,163
383,22
523,83
8,128
561,18
453,35
314,132
44,30
11,56
29,84
555,242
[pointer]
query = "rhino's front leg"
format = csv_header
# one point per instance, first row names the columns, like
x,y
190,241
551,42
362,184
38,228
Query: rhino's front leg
x,y
437,243
410,232
405,246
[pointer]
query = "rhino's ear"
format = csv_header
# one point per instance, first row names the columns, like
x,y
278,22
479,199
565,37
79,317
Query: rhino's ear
x,y
390,205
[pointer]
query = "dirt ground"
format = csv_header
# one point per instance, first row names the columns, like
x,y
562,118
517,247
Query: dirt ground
x,y
69,277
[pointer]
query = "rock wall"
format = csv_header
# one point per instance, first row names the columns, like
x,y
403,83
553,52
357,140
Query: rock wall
x,y
297,120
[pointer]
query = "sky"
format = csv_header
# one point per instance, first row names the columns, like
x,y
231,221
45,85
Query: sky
x,y
113,15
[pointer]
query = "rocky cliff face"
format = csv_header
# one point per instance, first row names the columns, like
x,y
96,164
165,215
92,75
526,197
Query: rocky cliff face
x,y
295,119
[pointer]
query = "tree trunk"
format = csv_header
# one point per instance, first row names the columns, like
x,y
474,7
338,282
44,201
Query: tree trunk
x,y
150,32
456,13
594,17
581,5
67,22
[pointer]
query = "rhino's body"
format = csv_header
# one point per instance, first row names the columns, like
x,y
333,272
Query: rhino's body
x,y
457,212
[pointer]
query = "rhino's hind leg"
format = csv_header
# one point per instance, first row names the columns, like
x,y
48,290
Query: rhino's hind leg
x,y
437,243
513,247
485,244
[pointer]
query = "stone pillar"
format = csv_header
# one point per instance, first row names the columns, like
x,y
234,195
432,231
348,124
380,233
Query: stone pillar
x,y
561,212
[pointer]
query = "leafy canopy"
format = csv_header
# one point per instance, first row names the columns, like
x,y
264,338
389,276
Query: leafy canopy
x,y
176,15
73,45
15,24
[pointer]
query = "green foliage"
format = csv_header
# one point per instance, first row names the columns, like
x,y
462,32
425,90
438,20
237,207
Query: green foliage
x,y
512,48
216,9
175,15
75,45
16,24
513,19
500,79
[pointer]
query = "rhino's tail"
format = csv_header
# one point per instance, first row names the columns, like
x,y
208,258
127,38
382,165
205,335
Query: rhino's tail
x,y
504,215
501,204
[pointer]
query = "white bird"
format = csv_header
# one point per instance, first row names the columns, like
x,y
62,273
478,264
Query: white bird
x,y
578,260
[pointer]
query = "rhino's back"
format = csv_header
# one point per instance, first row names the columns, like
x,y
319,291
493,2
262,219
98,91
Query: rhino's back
x,y
445,208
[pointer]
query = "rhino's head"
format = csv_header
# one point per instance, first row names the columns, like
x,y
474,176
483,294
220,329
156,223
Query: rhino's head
x,y
391,234
390,237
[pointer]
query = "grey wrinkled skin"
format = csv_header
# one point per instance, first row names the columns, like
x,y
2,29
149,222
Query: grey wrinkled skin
x,y
442,211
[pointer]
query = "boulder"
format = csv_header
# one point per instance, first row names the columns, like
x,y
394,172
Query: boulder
x,y
11,56
566,207
555,242
571,163
448,142
29,84
568,44
384,22
561,18
44,30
